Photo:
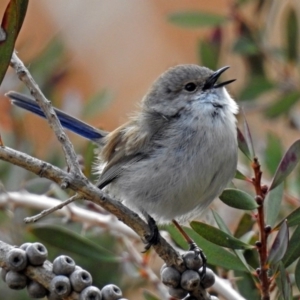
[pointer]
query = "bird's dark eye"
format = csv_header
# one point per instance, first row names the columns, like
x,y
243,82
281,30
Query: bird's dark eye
x,y
190,87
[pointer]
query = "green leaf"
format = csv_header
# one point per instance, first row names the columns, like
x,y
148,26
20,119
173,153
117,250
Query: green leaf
x,y
220,222
297,274
66,239
149,295
225,229
254,88
293,251
245,225
97,103
245,46
273,153
217,236
282,105
240,175
242,144
193,19
10,27
238,199
279,245
272,205
208,54
246,285
292,36
287,164
282,282
216,255
293,219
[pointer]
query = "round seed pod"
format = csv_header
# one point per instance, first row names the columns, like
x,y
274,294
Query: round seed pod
x,y
60,285
209,278
3,274
80,279
24,246
53,296
170,277
162,268
192,260
36,290
190,280
177,293
16,259
15,280
63,265
90,293
36,254
111,292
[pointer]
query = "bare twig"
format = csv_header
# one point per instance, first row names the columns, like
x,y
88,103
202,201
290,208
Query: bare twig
x,y
45,104
50,210
73,212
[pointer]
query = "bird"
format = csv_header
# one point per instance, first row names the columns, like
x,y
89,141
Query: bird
x,y
175,155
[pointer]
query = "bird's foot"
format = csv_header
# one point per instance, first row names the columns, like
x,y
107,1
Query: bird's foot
x,y
153,237
199,252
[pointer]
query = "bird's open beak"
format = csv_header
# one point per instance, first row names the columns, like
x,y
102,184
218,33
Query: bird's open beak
x,y
212,79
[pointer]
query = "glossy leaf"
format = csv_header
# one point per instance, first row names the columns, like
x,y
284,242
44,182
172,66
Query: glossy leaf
x,y
216,255
297,274
10,27
254,88
217,236
273,153
272,205
238,199
70,241
195,19
279,245
149,295
283,282
293,251
242,144
287,164
282,105
240,175
292,36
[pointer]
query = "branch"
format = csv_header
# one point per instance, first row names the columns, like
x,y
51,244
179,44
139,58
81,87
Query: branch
x,y
45,104
92,193
41,274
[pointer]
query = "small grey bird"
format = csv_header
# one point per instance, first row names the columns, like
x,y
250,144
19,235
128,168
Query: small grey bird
x,y
175,155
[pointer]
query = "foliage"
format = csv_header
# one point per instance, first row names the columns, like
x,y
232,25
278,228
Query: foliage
x,y
267,233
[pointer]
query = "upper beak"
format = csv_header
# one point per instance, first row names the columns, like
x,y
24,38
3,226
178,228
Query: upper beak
x,y
212,79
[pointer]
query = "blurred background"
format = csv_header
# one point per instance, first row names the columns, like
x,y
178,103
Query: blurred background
x,y
96,60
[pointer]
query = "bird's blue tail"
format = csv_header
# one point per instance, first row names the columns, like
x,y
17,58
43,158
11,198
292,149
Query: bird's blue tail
x,y
67,121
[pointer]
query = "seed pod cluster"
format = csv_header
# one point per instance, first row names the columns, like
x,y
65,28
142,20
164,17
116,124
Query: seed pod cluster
x,y
181,284
68,276
17,259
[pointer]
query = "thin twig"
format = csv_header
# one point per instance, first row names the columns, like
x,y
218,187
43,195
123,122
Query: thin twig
x,y
74,213
48,211
25,76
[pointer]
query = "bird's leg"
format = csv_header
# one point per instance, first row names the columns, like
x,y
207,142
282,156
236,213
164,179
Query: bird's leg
x,y
153,237
192,247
